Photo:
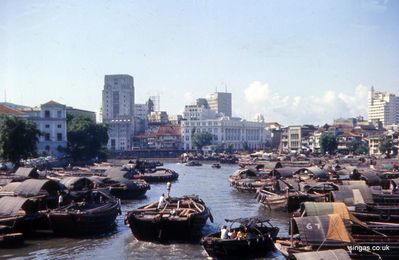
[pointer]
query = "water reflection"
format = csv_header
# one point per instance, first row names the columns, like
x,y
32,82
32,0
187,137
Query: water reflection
x,y
209,183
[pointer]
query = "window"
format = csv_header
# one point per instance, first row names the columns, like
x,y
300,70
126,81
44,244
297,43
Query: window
x,y
59,126
47,126
47,113
46,136
59,114
59,136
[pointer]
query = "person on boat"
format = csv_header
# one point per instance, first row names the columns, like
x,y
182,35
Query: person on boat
x,y
60,199
241,235
224,233
232,234
161,202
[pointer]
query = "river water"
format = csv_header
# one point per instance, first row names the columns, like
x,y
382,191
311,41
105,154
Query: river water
x,y
210,184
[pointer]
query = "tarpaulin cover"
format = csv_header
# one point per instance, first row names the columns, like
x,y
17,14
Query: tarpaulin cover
x,y
339,254
33,187
325,208
326,230
9,206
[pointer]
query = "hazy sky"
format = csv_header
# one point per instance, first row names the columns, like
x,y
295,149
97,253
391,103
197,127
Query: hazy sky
x,y
292,61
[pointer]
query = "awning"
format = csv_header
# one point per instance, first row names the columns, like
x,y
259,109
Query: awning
x,y
10,206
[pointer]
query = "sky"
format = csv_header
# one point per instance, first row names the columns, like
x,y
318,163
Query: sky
x,y
294,62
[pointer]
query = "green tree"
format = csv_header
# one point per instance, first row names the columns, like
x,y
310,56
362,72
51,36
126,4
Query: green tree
x,y
200,139
86,139
18,138
328,143
387,146
357,147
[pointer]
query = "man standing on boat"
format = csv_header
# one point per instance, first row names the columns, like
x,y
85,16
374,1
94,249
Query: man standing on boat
x,y
162,202
223,233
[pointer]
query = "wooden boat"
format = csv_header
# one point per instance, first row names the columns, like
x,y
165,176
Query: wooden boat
x,y
127,189
329,232
10,239
216,166
193,163
259,240
158,175
249,180
95,215
181,219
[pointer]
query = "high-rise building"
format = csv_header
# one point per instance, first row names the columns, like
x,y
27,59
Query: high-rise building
x,y
118,111
383,106
220,102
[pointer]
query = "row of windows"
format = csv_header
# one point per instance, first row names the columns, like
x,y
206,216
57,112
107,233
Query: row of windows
x,y
47,114
48,126
47,137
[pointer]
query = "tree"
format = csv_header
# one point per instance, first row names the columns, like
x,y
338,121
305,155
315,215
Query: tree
x,y
357,147
18,138
200,139
387,146
86,139
328,143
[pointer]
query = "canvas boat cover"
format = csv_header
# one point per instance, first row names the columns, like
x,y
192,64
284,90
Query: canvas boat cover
x,y
27,172
349,196
338,254
328,230
317,172
118,172
10,206
325,208
11,186
286,172
33,187
76,183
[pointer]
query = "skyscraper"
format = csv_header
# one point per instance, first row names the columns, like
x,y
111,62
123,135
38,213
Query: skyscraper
x,y
118,111
220,102
383,106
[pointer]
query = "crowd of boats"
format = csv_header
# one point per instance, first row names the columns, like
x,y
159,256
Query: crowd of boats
x,y
73,201
342,208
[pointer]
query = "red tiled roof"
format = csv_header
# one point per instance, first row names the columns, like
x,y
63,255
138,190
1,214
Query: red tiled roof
x,y
52,103
4,110
169,130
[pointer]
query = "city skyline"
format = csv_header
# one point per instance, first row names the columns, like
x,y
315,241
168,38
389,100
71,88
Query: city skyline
x,y
307,66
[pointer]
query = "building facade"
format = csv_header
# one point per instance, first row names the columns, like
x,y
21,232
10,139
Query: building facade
x,y
118,111
50,119
234,132
220,102
82,113
383,106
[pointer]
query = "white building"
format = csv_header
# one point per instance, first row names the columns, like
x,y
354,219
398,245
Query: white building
x,y
220,102
118,111
383,106
225,130
51,121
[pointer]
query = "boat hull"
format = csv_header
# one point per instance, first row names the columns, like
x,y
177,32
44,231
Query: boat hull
x,y
167,229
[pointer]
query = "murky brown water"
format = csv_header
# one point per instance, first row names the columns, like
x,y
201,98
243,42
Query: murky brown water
x,y
210,184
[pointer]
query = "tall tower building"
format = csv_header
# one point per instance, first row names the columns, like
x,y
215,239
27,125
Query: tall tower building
x,y
220,102
383,106
118,111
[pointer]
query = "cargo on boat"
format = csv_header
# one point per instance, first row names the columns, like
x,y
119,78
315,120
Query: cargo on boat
x,y
95,215
258,240
180,219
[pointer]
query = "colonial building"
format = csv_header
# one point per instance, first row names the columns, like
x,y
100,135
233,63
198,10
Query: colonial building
x,y
118,111
294,138
50,119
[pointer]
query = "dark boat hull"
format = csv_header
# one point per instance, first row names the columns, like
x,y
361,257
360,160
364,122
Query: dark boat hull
x,y
128,194
85,223
236,248
160,229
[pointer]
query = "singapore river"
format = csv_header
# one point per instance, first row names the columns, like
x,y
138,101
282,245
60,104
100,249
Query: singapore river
x,y
210,184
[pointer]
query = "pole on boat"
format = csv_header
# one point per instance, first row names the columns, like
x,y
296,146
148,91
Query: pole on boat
x,y
168,188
